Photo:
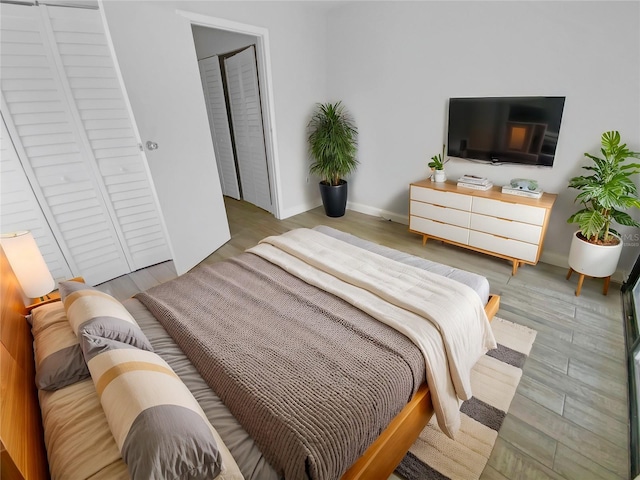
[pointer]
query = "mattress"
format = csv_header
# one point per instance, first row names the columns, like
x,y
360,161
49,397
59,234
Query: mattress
x,y
248,456
61,408
477,282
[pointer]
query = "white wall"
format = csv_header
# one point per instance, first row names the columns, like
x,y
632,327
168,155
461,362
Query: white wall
x,y
156,51
395,64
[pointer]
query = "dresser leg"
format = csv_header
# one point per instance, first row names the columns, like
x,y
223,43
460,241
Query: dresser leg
x,y
514,269
605,289
424,240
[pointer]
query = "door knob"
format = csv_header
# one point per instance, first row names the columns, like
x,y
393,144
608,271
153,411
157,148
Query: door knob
x,y
152,145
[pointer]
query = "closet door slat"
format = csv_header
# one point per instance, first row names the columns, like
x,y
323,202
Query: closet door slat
x,y
211,78
66,114
82,45
56,170
20,209
246,114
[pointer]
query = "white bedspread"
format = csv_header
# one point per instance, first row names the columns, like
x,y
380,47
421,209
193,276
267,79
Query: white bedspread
x,y
444,318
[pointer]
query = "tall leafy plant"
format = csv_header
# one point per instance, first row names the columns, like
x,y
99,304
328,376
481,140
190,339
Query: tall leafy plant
x,y
332,142
607,191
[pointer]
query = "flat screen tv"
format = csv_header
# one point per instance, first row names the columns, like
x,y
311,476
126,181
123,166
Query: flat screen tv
x,y
522,130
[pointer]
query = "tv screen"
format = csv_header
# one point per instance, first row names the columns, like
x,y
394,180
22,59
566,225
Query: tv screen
x,y
520,130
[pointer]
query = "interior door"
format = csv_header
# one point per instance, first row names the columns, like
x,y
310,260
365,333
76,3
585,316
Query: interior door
x,y
219,124
163,84
246,117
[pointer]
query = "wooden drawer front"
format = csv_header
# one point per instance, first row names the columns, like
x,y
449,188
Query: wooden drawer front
x,y
505,246
440,230
506,228
511,211
442,214
446,199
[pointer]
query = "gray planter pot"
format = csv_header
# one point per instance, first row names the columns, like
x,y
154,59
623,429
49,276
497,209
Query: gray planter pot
x,y
334,198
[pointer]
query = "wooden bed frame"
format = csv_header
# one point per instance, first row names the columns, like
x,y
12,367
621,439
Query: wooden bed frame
x,y
23,455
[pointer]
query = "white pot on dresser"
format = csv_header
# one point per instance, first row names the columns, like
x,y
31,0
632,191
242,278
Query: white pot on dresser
x,y
439,176
505,226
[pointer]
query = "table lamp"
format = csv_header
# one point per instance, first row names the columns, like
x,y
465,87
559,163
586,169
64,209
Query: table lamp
x,y
27,264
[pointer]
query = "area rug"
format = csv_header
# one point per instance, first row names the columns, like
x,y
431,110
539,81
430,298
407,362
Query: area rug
x,y
495,377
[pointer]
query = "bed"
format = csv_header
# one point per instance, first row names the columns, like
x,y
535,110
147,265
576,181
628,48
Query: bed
x,y
23,448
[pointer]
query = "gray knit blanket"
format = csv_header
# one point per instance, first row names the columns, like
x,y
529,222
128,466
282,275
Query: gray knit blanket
x,y
311,378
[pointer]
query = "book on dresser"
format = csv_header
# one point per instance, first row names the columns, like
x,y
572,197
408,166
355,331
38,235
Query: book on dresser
x,y
475,179
537,193
475,186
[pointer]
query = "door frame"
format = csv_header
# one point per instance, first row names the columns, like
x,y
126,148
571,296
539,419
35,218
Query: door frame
x,y
263,58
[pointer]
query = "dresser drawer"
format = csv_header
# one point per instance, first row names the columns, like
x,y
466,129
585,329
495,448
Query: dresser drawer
x,y
438,197
440,230
442,214
511,211
504,246
506,228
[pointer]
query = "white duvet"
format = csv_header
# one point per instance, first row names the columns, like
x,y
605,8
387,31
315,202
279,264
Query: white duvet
x,y
444,318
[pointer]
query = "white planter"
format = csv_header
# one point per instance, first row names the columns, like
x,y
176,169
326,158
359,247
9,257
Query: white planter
x,y
593,260
439,176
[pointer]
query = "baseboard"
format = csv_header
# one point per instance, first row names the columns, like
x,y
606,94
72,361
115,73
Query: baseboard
x,y
378,212
291,211
555,259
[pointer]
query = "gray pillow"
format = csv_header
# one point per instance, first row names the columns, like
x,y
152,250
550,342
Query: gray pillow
x,y
58,355
97,313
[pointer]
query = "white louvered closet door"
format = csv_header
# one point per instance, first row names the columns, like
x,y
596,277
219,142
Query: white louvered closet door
x,y
20,209
66,115
219,124
246,118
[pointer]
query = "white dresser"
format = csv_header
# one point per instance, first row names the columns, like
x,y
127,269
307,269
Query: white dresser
x,y
505,226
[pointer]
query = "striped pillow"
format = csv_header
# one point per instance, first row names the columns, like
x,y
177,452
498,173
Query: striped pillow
x,y
58,356
97,313
158,425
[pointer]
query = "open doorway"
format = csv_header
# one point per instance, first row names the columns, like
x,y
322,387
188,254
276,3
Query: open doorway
x,y
232,91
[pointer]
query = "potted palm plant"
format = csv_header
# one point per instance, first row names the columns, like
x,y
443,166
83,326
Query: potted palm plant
x,y
332,144
437,165
605,194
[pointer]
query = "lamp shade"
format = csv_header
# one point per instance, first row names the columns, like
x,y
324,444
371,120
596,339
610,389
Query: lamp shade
x,y
27,263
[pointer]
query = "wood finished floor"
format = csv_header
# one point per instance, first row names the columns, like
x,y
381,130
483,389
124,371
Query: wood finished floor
x,y
569,418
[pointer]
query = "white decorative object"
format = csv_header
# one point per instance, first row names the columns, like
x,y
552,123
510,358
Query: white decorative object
x,y
439,176
594,260
524,184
